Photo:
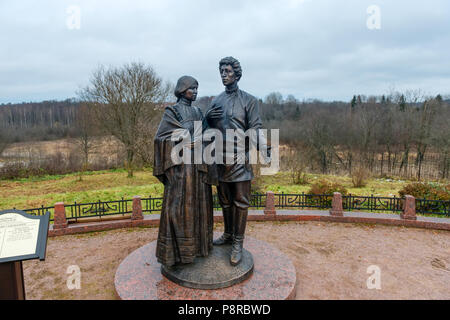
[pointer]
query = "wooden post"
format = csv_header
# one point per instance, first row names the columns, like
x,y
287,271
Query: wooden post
x,y
11,281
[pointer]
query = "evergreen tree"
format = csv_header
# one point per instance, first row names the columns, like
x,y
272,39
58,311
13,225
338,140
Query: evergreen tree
x,y
402,103
353,102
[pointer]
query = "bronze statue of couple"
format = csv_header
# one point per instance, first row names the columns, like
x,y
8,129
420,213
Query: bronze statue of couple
x,y
186,225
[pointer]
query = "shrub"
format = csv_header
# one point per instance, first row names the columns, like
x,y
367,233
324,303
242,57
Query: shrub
x,y
257,185
327,187
299,177
360,176
12,170
297,169
431,191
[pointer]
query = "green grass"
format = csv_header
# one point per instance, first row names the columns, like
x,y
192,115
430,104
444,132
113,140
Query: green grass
x,y
114,184
281,182
102,185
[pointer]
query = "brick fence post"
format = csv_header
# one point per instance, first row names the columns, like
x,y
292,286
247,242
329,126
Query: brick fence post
x,y
336,205
137,209
409,209
270,204
59,218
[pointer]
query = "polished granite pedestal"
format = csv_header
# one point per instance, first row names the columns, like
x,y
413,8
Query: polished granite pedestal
x,y
265,274
212,272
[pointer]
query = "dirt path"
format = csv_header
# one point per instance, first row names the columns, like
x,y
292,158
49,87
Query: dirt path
x,y
331,260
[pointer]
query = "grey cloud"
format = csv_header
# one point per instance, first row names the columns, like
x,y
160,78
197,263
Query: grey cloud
x,y
312,48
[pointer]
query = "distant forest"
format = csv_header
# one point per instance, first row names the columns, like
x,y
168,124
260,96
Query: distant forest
x,y
38,121
400,134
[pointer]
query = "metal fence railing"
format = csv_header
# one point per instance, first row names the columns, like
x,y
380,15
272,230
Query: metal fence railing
x,y
371,203
151,205
98,209
283,201
360,203
438,207
41,211
304,201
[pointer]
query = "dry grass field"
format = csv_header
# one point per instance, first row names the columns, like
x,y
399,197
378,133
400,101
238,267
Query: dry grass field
x,y
104,149
108,185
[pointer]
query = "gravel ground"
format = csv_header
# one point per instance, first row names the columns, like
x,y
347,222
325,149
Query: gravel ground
x,y
331,259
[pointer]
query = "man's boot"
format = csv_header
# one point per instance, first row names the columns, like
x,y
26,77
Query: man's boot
x,y
227,236
238,238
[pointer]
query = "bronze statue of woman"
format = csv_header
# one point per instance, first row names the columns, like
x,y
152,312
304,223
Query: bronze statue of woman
x,y
186,225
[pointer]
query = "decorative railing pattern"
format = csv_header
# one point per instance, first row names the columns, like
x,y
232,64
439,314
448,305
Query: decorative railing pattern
x,y
371,203
305,201
258,201
439,207
283,201
98,209
152,204
41,211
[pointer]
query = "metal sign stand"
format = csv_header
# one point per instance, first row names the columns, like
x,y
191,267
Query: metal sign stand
x,y
12,286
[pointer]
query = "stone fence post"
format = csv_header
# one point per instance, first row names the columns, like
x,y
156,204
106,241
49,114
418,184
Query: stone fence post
x,y
336,205
59,218
270,204
137,209
409,209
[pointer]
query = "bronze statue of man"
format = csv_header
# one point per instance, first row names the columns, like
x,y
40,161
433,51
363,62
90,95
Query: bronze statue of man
x,y
239,111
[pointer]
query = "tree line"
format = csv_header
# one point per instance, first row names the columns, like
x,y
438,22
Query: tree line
x,y
400,134
33,121
403,134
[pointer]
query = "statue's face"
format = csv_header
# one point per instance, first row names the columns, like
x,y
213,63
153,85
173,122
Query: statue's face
x,y
191,93
227,74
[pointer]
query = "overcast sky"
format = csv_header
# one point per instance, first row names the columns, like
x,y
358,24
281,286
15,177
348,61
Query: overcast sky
x,y
309,48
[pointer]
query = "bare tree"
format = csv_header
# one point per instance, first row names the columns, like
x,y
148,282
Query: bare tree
x,y
347,136
144,141
4,140
367,120
296,165
319,138
441,138
422,139
274,98
123,100
85,129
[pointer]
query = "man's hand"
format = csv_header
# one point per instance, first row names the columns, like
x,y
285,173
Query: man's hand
x,y
214,113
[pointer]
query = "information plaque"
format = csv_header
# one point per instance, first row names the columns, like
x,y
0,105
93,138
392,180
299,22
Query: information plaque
x,y
22,237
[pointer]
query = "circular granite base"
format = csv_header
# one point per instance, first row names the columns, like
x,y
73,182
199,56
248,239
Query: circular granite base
x,y
212,272
139,278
